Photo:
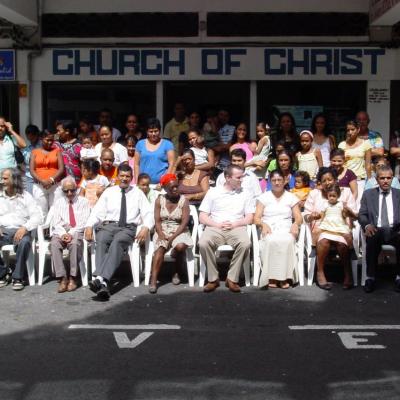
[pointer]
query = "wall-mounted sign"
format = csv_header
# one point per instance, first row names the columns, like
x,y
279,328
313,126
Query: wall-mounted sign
x,y
242,63
7,65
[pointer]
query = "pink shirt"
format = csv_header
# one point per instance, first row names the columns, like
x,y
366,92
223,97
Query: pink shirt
x,y
245,147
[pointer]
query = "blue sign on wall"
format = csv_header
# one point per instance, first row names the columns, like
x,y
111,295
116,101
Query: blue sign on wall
x,y
7,65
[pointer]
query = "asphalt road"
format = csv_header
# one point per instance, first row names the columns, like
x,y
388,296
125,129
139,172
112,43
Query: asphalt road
x,y
215,346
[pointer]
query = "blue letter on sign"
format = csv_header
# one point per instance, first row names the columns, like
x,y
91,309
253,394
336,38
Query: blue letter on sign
x,y
219,56
229,63
57,70
180,63
268,69
157,70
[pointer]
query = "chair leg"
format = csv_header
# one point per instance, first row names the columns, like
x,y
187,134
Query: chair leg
x,y
148,260
42,260
246,267
190,266
202,273
134,254
30,263
363,261
354,267
311,268
256,262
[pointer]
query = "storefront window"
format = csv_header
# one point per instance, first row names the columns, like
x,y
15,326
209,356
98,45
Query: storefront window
x,y
71,101
339,100
210,95
9,102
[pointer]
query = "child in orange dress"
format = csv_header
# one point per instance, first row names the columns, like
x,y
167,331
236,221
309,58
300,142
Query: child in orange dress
x,y
301,187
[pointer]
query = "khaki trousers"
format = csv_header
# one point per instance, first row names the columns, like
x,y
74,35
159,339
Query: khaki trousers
x,y
212,238
75,248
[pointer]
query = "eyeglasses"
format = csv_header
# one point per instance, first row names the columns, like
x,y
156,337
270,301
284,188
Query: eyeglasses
x,y
69,190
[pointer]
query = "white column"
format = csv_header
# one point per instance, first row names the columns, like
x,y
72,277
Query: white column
x,y
253,109
160,102
36,104
22,77
378,108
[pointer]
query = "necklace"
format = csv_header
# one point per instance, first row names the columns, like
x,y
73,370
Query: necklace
x,y
189,177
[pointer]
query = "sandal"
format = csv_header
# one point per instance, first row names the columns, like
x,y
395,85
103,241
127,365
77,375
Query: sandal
x,y
324,286
284,285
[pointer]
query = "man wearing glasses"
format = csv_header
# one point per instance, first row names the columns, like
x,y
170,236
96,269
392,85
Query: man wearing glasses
x,y
69,219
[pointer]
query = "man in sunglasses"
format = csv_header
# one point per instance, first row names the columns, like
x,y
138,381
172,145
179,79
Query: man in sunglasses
x,y
69,219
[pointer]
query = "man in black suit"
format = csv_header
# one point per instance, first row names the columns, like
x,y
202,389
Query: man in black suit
x,y
379,217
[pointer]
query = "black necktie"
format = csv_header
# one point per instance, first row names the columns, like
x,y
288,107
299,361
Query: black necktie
x,y
122,213
384,211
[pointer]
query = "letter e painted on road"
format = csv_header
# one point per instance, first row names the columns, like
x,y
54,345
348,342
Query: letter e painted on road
x,y
354,340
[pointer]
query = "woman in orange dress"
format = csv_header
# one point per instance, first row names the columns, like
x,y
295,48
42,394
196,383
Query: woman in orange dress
x,y
47,168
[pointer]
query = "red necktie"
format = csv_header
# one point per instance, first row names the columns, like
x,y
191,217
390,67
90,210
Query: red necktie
x,y
72,221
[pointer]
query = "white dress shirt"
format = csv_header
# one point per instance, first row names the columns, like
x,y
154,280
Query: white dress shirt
x,y
19,210
60,223
250,183
108,207
120,153
223,205
389,204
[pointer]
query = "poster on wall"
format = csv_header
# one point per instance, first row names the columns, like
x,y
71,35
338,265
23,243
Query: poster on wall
x,y
7,65
303,115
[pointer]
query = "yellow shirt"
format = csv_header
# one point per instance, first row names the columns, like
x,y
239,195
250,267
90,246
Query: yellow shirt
x,y
173,129
355,157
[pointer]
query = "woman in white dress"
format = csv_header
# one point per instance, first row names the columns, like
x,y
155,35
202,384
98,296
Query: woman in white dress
x,y
276,210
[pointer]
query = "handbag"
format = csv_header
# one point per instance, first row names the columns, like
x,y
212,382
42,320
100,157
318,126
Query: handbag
x,y
19,157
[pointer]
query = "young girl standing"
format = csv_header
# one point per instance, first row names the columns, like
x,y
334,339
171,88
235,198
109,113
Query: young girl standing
x,y
357,155
309,159
130,146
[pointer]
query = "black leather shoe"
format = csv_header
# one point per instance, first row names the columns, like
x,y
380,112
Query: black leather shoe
x,y
104,293
369,286
397,285
95,285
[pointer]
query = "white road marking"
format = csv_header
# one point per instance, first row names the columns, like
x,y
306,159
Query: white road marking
x,y
353,340
344,327
149,327
123,341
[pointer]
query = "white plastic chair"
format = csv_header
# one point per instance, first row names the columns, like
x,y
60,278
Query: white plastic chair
x,y
7,251
312,259
300,247
44,250
222,249
189,251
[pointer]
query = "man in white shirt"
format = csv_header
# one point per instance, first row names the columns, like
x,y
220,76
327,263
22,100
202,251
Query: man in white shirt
x,y
69,220
379,217
225,211
250,182
19,216
117,213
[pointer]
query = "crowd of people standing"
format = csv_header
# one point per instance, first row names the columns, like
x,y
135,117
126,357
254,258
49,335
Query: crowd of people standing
x,y
101,184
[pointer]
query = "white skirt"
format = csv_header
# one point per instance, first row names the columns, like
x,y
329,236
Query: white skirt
x,y
278,258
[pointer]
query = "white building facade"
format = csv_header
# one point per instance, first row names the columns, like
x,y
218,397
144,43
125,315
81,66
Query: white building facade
x,y
255,58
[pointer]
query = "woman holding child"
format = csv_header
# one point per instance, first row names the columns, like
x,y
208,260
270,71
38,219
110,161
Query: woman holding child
x,y
315,209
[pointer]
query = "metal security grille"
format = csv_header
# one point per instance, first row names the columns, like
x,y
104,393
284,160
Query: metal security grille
x,y
121,25
287,24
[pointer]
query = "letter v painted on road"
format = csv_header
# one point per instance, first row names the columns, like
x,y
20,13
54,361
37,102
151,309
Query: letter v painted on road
x,y
124,342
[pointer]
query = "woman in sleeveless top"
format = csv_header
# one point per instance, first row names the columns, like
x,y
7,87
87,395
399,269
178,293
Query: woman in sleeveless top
x,y
171,213
47,168
193,184
322,139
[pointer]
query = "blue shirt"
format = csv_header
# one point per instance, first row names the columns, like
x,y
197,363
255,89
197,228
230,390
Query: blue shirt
x,y
7,157
27,151
154,163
